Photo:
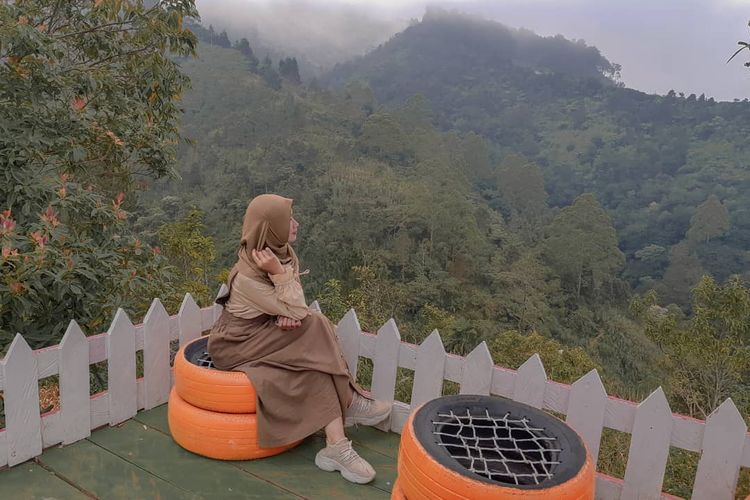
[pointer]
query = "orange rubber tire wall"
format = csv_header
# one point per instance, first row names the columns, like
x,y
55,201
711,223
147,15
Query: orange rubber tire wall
x,y
210,389
224,436
421,477
397,493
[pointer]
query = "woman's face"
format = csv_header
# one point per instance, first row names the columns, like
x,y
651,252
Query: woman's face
x,y
293,225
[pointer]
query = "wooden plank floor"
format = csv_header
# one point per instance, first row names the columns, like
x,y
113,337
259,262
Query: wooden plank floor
x,y
139,460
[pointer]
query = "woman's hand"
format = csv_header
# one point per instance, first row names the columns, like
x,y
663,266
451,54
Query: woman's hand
x,y
267,261
287,323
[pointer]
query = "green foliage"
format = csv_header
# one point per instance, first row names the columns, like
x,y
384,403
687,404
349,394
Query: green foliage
x,y
707,353
711,219
191,253
562,364
87,104
582,246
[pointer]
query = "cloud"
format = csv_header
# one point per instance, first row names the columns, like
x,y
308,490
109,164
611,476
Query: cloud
x,y
661,44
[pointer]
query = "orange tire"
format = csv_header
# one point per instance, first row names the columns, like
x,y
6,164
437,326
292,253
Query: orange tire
x,y
422,476
210,388
225,436
397,493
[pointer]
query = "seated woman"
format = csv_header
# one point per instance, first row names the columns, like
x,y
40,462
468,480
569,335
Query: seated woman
x,y
289,353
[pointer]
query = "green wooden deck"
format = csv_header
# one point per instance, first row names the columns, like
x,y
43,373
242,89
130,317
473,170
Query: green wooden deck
x,y
139,460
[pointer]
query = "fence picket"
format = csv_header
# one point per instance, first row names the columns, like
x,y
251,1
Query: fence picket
x,y
587,405
429,370
349,334
156,355
189,320
649,448
75,404
476,374
123,395
23,425
531,381
315,306
723,442
385,365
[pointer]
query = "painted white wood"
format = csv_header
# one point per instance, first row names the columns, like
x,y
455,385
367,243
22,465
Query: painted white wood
x,y
121,369
556,396
649,448
586,408
315,307
385,366
21,398
407,356
3,448
476,377
74,385
99,410
620,415
503,382
428,375
607,488
53,429
47,361
189,320
349,335
399,415
156,355
531,381
367,345
718,467
97,348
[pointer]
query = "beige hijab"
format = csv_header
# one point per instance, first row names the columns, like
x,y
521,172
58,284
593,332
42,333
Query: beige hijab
x,y
266,225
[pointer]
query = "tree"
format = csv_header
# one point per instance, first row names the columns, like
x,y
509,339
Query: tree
x,y
562,364
708,353
223,40
521,184
269,74
86,105
191,252
244,47
743,46
711,219
289,70
682,274
582,245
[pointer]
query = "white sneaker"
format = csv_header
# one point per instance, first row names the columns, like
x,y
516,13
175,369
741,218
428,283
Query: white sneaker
x,y
342,457
366,411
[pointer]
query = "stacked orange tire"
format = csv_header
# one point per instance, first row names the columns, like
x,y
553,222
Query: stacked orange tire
x,y
212,412
483,447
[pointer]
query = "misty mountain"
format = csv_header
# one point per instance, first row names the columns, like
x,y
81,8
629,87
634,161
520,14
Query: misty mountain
x,y
319,35
651,160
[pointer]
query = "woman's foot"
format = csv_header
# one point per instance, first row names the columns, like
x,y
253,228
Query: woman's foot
x,y
366,411
342,457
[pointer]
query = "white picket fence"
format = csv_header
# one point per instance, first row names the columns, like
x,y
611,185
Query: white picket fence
x,y
722,439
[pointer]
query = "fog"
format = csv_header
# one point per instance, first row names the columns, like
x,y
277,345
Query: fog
x,y
661,44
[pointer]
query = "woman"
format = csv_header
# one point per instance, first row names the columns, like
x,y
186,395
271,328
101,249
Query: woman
x,y
289,353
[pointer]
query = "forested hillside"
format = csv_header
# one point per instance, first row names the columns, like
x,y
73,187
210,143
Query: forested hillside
x,y
466,177
666,168
496,186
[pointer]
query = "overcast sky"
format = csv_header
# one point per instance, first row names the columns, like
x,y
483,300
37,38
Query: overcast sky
x,y
661,44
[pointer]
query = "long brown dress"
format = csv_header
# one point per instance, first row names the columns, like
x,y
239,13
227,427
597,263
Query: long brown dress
x,y
301,379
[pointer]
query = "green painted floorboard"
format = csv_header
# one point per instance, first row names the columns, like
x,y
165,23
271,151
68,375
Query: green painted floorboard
x,y
139,459
157,453
30,481
108,476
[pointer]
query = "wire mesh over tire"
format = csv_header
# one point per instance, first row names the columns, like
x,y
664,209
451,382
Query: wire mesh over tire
x,y
208,388
467,447
224,436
